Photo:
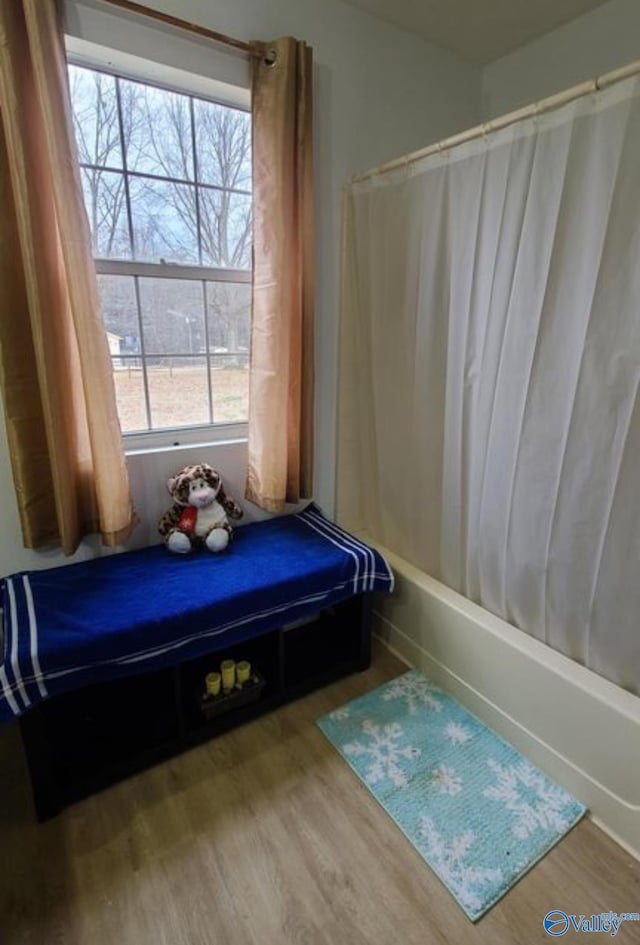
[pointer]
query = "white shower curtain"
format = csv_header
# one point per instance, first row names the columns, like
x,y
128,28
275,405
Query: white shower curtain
x,y
489,426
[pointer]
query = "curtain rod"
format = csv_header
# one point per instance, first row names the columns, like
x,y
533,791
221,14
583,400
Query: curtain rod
x,y
528,111
256,50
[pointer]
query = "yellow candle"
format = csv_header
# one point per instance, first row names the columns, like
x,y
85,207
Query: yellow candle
x,y
212,681
243,671
228,669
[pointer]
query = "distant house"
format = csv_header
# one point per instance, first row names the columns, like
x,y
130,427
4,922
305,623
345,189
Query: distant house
x,y
123,345
114,344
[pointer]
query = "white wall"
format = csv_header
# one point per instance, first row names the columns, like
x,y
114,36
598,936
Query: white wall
x,y
589,46
379,92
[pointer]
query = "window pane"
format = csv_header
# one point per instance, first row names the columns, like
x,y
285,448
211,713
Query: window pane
x,y
223,145
129,384
95,113
229,325
229,317
178,391
226,229
230,388
105,203
120,316
157,129
120,313
172,316
164,221
136,147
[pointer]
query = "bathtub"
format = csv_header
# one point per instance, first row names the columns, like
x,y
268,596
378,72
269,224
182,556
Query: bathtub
x,y
581,729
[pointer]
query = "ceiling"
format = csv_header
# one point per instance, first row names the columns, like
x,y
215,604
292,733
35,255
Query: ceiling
x,y
478,31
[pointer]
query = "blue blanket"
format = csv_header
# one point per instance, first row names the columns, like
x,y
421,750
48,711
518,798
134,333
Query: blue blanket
x,y
128,613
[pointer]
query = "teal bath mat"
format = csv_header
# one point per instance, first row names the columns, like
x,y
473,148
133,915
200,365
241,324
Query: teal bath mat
x,y
478,812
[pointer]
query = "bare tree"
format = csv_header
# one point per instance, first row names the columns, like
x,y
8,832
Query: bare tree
x,y
228,313
154,131
224,139
222,211
98,138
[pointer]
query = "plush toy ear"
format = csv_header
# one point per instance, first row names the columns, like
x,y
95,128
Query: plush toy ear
x,y
178,487
211,476
229,505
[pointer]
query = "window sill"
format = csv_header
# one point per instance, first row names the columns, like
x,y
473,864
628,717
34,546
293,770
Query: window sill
x,y
181,447
172,441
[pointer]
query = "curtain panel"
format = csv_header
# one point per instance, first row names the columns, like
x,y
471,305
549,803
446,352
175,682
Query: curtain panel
x,y
57,387
281,377
489,427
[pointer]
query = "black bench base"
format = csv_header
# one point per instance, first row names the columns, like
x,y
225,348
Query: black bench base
x,y
83,741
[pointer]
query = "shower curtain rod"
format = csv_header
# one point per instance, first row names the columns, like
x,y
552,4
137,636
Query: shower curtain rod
x,y
255,49
528,111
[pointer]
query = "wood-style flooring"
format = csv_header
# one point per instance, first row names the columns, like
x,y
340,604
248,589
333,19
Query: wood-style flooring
x,y
265,837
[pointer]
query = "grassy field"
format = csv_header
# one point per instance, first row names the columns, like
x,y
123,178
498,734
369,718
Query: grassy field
x,y
179,396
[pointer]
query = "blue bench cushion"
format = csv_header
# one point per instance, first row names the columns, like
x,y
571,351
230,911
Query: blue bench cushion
x,y
70,626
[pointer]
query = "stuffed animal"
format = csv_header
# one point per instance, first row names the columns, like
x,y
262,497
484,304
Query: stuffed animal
x,y
200,512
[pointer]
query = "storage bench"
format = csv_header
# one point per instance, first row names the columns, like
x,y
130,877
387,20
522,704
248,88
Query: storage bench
x,y
105,661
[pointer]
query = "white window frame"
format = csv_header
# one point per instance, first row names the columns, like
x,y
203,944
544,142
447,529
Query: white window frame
x,y
91,56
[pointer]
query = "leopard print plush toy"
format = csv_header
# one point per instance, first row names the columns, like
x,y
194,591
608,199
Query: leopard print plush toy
x,y
200,513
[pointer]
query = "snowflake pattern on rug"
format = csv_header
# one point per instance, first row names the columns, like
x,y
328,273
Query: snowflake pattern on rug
x,y
449,859
535,801
339,715
446,780
477,812
457,733
415,690
383,751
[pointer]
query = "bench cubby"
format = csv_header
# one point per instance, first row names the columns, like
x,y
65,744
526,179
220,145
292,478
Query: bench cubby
x,y
84,740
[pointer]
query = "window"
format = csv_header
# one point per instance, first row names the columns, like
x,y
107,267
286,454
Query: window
x,y
167,188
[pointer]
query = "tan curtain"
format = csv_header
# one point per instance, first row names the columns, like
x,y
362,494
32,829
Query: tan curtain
x,y
281,385
63,430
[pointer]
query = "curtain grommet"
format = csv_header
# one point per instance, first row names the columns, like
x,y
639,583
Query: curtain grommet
x,y
270,58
